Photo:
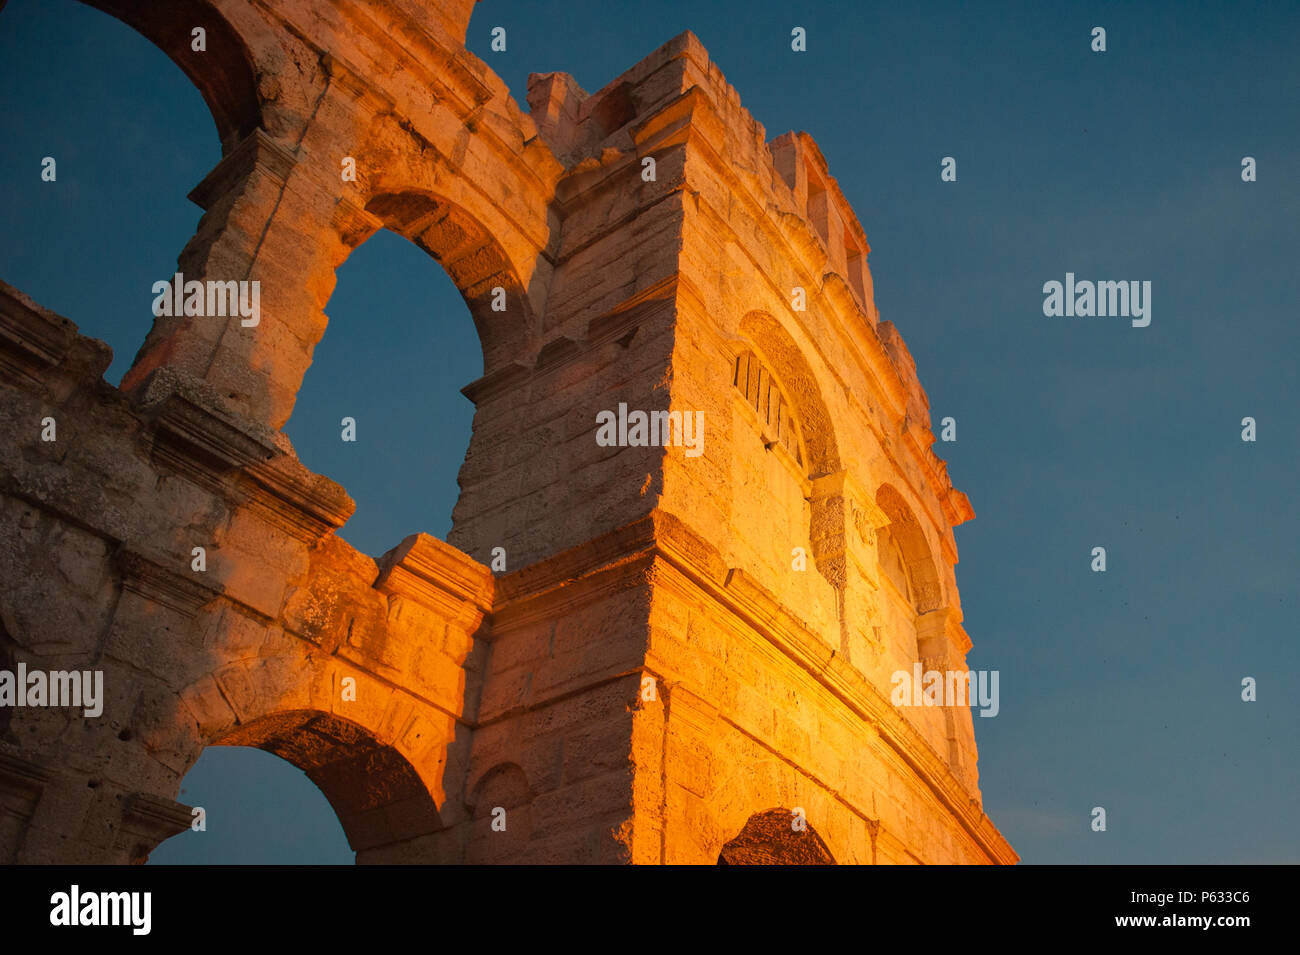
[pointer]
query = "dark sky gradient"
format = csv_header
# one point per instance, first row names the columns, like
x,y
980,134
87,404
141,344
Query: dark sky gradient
x,y
1120,689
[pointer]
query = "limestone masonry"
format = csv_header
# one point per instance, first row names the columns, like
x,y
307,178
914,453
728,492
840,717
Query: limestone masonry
x,y
653,678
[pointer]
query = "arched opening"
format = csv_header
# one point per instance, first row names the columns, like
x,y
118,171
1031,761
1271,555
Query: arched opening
x,y
259,810
475,262
905,555
770,467
112,220
199,40
397,350
894,564
910,580
799,385
377,797
776,837
395,357
810,428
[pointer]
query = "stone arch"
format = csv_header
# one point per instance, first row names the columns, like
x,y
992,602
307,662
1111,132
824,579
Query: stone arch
x,y
375,791
761,778
276,211
398,337
244,75
821,455
894,564
259,99
799,383
904,529
769,838
472,257
379,754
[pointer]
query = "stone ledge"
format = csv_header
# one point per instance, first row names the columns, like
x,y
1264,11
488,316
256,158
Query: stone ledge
x,y
158,584
766,615
304,505
438,576
557,353
257,150
585,573
34,341
194,429
622,321
37,334
153,819
496,383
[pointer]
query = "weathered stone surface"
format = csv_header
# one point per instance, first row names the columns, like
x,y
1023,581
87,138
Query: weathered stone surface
x,y
655,677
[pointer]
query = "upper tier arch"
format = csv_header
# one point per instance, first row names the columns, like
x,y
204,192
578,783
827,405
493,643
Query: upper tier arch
x,y
243,73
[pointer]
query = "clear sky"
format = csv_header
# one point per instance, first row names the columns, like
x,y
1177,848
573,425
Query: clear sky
x,y
1120,690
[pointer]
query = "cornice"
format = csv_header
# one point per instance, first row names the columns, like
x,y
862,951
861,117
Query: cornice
x,y
257,150
640,551
762,612
439,577
159,584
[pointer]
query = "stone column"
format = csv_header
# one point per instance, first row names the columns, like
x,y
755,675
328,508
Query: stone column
x,y
943,643
267,220
845,522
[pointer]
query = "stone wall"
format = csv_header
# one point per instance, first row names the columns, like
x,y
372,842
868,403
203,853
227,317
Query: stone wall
x,y
653,669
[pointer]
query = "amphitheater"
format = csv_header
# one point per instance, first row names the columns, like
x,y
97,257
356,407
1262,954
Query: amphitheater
x,y
621,654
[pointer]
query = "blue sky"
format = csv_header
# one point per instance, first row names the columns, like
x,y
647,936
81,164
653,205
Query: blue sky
x,y
1120,689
